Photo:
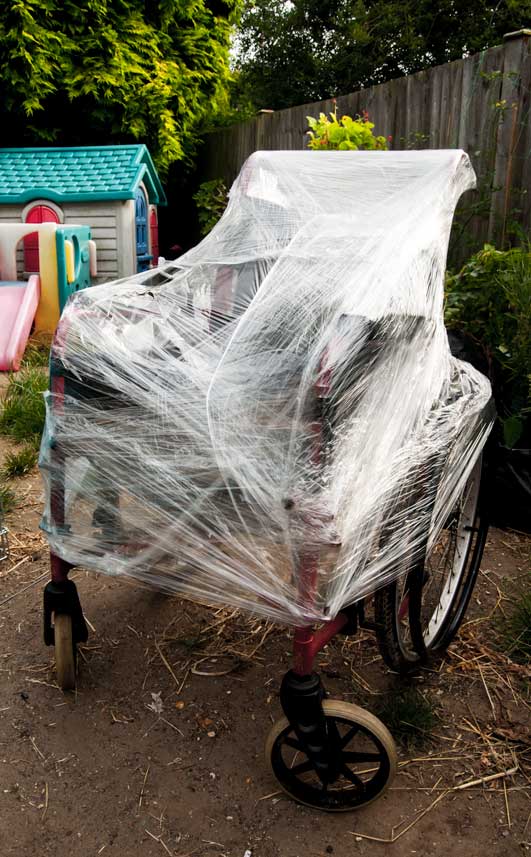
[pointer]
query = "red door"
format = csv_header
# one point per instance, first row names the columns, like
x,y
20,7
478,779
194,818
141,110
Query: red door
x,y
37,214
154,230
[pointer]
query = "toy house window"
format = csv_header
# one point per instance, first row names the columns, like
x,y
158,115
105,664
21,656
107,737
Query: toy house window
x,y
37,214
154,234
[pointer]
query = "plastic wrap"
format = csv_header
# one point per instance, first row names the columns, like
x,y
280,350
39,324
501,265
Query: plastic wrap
x,y
275,421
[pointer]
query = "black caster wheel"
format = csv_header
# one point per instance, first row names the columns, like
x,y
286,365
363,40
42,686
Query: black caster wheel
x,y
366,760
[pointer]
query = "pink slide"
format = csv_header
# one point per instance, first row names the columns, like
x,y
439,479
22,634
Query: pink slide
x,y
18,305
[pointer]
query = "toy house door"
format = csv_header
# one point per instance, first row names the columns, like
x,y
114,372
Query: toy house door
x,y
38,214
154,230
143,258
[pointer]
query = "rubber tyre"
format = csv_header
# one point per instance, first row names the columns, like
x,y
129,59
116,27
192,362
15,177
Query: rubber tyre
x,y
394,652
392,649
335,708
65,652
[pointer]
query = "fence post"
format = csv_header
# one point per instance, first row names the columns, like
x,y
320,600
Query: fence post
x,y
512,174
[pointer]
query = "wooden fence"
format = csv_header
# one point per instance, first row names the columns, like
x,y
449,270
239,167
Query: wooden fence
x,y
480,104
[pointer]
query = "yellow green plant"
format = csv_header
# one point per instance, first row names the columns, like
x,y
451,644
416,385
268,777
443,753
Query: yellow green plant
x,y
343,133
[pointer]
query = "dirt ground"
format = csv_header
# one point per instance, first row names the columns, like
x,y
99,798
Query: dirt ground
x,y
158,754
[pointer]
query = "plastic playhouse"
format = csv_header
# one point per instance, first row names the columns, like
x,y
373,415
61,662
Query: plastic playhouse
x,y
66,258
114,190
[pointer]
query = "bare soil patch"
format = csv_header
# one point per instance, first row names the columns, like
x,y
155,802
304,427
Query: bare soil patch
x,y
160,750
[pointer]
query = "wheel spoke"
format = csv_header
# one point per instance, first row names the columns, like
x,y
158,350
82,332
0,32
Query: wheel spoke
x,y
353,756
294,743
348,736
404,607
352,777
449,565
301,768
333,733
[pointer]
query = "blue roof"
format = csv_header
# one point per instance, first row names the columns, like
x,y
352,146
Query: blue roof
x,y
78,174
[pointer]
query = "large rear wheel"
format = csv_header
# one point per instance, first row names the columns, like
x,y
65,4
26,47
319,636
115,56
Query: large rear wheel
x,y
419,614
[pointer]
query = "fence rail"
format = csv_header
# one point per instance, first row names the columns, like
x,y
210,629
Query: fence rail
x,y
480,104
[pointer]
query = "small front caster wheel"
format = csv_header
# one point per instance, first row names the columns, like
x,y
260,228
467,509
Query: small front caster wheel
x,y
364,758
65,651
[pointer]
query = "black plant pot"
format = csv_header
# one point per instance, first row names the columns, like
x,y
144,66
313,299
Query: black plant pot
x,y
510,495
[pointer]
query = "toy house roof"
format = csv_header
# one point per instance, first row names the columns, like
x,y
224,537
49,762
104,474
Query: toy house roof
x,y
78,174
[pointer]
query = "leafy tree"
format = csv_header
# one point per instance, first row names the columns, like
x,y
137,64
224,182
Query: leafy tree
x,y
295,51
104,71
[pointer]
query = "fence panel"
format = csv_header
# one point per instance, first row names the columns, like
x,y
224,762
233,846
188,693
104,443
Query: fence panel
x,y
481,104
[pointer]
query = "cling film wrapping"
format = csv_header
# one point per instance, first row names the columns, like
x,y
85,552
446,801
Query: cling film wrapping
x,y
274,421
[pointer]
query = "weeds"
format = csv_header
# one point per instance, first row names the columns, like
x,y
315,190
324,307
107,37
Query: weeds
x,y
409,715
515,629
21,462
22,413
7,498
37,352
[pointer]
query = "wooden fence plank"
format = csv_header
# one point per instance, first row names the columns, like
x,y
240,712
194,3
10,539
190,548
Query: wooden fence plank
x,y
481,104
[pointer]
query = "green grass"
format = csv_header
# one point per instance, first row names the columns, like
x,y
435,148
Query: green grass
x,y
22,412
515,628
37,352
21,462
409,715
7,498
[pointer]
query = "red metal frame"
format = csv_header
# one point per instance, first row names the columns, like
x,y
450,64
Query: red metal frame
x,y
59,567
308,642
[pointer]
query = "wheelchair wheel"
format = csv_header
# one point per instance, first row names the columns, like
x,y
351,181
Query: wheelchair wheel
x,y
365,753
418,616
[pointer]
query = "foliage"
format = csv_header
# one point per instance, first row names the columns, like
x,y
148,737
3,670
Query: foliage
x,y
114,71
344,133
490,298
21,462
22,413
297,51
410,716
7,499
37,351
211,200
239,108
515,627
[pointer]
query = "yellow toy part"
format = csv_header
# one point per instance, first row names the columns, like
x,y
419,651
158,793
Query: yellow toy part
x,y
48,311
70,261
10,236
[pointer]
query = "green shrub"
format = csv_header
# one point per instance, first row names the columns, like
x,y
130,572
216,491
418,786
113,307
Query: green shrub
x,y
211,200
343,134
409,715
20,462
22,413
7,499
490,299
